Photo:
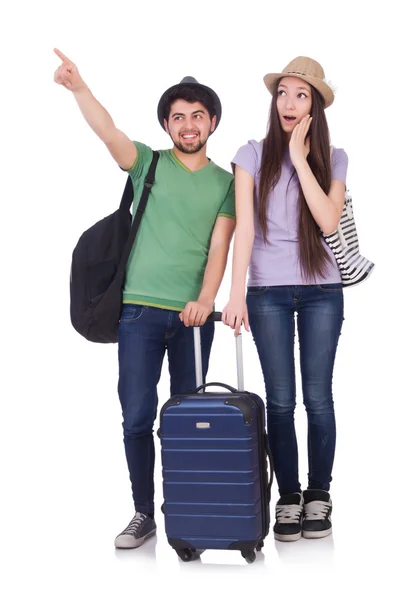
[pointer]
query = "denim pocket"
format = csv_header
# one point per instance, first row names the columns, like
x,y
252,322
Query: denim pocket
x,y
256,290
330,287
131,313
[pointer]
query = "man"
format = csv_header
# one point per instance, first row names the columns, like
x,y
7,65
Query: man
x,y
175,268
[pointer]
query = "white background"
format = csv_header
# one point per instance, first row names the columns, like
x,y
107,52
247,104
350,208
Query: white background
x,y
65,489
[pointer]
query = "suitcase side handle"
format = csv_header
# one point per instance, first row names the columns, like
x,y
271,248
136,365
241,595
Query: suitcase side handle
x,y
271,465
214,383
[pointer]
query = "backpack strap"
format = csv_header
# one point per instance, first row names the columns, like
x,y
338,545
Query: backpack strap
x,y
127,196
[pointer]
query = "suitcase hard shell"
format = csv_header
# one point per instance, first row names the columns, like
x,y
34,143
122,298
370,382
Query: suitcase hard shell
x,y
214,451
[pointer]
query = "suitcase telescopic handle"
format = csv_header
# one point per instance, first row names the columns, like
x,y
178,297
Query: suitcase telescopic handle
x,y
216,317
215,383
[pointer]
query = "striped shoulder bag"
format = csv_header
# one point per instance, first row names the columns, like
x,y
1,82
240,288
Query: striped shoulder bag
x,y
354,268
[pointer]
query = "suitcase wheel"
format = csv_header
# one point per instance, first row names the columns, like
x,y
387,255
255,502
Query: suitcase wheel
x,y
259,546
186,554
249,555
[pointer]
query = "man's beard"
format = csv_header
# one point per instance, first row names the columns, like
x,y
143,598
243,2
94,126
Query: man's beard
x,y
189,148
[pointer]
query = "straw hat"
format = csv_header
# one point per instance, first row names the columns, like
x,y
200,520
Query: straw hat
x,y
307,69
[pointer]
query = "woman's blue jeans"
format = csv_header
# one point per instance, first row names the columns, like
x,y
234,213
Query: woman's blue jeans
x,y
319,311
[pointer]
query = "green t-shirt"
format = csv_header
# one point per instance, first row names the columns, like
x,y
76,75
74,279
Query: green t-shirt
x,y
167,262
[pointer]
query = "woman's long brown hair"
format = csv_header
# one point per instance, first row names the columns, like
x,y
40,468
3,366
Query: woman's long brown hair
x,y
312,254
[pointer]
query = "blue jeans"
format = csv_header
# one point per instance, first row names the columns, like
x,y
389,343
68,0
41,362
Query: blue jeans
x,y
319,311
145,333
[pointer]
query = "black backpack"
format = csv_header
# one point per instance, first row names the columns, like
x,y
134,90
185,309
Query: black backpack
x,y
98,268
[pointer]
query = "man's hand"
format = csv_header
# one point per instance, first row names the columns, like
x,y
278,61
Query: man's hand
x,y
68,75
195,314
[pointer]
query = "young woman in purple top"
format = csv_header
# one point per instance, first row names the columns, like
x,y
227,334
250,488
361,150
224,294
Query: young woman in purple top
x,y
289,190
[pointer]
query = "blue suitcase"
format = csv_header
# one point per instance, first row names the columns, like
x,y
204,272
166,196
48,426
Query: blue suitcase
x,y
215,454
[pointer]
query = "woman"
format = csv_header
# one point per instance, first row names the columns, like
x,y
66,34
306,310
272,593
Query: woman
x,y
289,191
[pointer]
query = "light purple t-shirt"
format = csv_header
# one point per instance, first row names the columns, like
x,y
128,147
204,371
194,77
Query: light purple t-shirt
x,y
277,261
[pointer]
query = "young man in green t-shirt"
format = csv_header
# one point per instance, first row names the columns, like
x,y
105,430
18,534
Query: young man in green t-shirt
x,y
175,268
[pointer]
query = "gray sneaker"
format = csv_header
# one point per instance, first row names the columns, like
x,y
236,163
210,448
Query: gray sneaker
x,y
289,512
317,514
140,528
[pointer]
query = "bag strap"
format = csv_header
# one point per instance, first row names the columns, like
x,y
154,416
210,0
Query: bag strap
x,y
147,186
127,197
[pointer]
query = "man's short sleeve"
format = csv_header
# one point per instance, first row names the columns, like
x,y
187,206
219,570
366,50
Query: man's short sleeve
x,y
228,208
142,162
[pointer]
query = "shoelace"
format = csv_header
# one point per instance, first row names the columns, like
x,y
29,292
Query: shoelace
x,y
317,509
132,528
288,513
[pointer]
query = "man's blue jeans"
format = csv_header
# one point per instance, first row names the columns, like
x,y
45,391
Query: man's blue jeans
x,y
319,311
145,333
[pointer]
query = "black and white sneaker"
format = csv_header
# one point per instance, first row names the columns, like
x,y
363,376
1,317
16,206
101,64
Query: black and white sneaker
x,y
140,528
289,512
317,511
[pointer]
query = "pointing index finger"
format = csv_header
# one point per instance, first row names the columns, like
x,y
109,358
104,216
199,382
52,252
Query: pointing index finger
x,y
62,56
